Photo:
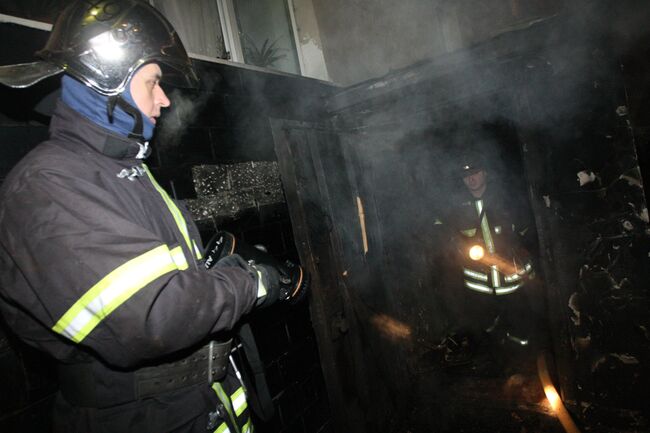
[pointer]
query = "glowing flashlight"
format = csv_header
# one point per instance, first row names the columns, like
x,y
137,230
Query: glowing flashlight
x,y
476,252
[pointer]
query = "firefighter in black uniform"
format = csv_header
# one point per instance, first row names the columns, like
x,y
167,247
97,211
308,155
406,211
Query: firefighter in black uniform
x,y
100,268
491,267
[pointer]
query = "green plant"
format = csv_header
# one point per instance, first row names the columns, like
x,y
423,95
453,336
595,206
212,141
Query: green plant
x,y
263,56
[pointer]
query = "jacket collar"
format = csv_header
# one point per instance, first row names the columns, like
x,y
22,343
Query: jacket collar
x,y
68,124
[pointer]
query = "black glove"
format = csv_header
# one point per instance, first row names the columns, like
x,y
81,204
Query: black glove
x,y
284,282
288,283
268,292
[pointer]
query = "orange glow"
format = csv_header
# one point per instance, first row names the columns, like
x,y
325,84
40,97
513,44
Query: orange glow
x,y
552,396
390,327
476,252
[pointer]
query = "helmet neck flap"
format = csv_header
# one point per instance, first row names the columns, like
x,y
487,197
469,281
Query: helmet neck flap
x,y
117,113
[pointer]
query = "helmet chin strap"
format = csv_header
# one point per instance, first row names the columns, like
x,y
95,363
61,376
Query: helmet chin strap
x,y
137,132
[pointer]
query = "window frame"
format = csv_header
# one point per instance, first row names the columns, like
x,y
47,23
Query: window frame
x,y
232,42
228,41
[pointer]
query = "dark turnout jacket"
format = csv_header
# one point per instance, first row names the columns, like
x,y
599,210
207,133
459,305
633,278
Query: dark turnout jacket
x,y
496,222
99,266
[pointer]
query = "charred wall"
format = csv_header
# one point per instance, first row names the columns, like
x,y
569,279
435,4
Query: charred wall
x,y
556,107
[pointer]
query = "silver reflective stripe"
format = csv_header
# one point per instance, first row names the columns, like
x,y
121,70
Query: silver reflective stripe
x,y
116,288
478,287
261,288
507,290
197,251
485,227
512,277
476,275
496,279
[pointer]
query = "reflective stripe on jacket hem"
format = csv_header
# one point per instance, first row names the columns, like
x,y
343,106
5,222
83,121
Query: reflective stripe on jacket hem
x,y
116,288
505,290
476,275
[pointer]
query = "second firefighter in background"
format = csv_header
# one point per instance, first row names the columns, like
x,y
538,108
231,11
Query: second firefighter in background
x,y
490,268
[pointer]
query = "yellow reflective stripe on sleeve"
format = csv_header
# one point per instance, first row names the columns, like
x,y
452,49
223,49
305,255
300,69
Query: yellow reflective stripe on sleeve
x,y
115,288
175,211
238,399
223,428
179,258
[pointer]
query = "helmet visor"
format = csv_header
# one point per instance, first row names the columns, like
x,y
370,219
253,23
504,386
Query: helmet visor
x,y
27,74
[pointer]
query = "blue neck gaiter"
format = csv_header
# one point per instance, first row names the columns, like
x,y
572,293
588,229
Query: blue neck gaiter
x,y
93,105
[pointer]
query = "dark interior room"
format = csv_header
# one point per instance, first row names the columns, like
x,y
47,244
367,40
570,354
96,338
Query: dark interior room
x,y
440,206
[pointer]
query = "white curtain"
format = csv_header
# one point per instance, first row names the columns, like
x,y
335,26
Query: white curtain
x,y
197,23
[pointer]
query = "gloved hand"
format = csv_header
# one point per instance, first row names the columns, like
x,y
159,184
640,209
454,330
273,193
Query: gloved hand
x,y
288,283
284,282
268,285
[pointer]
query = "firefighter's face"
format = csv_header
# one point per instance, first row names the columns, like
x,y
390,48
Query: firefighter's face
x,y
476,181
147,93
